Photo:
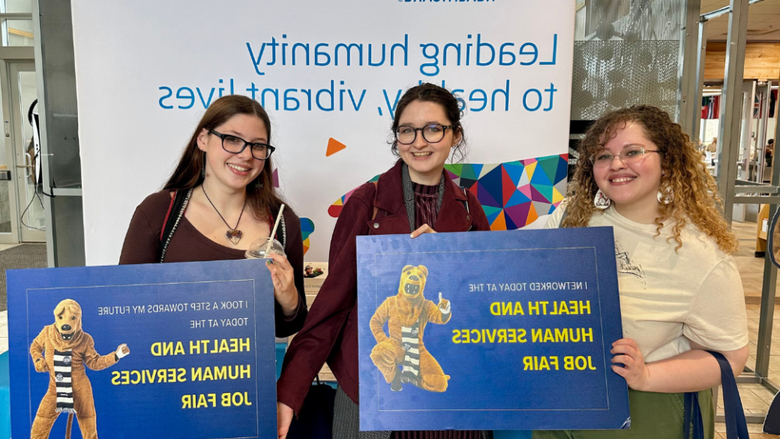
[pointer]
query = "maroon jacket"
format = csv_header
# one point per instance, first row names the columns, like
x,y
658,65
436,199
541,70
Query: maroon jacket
x,y
330,331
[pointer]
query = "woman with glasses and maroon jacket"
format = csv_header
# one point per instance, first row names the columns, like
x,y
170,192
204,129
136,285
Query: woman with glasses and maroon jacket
x,y
219,200
415,196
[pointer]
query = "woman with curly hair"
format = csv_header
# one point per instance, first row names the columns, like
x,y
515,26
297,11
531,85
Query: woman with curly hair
x,y
680,291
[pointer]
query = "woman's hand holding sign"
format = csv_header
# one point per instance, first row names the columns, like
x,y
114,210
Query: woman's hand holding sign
x,y
425,228
634,369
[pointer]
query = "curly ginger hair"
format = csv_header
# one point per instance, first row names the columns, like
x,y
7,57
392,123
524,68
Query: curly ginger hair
x,y
685,182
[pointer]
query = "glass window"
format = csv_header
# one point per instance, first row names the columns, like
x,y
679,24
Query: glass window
x,y
9,6
17,33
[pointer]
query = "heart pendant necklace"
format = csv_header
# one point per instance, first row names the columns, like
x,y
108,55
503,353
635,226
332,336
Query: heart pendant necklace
x,y
233,234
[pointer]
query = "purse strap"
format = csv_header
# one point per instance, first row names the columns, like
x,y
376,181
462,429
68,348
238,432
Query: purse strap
x,y
693,414
176,209
736,426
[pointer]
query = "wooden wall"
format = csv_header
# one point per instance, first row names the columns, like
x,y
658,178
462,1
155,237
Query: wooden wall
x,y
762,61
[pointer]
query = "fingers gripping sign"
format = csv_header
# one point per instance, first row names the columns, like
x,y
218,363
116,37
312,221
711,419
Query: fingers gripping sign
x,y
634,369
425,228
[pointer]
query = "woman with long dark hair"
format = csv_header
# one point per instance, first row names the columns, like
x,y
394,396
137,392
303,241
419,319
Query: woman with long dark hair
x,y
219,200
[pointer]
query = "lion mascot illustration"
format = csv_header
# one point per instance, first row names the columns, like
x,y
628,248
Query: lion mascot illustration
x,y
406,315
62,350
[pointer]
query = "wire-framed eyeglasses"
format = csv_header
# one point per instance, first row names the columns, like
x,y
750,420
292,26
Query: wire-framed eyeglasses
x,y
629,156
236,145
432,133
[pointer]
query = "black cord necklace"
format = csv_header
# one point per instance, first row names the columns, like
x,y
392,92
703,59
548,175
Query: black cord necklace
x,y
233,234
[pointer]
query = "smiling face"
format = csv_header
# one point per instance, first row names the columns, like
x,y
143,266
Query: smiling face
x,y
426,160
233,172
633,187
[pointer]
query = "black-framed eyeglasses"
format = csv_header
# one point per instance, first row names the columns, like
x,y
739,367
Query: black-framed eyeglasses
x,y
629,156
432,133
236,145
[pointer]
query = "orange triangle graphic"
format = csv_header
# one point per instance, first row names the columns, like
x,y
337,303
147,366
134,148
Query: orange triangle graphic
x,y
532,215
499,223
334,146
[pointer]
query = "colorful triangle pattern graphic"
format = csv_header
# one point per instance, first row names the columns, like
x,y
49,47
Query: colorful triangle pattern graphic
x,y
513,194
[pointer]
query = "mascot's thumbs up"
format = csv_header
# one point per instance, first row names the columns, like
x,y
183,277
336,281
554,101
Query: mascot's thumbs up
x,y
444,305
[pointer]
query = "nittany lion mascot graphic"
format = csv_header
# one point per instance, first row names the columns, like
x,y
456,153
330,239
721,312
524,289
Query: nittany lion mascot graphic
x,y
402,357
62,350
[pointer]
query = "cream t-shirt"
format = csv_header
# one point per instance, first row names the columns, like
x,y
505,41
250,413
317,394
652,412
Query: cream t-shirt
x,y
668,298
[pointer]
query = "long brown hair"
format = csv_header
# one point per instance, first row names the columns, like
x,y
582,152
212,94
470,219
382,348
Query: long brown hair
x,y
692,191
261,195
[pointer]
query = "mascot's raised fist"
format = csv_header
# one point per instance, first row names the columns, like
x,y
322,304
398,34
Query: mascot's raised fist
x,y
122,351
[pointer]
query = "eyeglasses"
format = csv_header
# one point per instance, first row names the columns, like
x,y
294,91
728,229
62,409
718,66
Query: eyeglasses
x,y
236,145
432,133
629,156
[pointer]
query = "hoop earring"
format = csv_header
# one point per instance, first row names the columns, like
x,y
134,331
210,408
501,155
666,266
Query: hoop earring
x,y
665,195
601,201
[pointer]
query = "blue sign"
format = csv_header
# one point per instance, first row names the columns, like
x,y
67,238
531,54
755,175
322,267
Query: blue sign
x,y
159,350
489,330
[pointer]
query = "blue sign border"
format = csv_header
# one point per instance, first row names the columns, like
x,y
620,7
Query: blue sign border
x,y
23,283
457,246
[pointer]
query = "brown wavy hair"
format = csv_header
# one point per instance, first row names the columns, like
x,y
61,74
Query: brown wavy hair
x,y
261,195
684,180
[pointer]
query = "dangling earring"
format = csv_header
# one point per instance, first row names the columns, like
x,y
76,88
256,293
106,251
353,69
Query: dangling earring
x,y
258,184
665,196
203,169
601,201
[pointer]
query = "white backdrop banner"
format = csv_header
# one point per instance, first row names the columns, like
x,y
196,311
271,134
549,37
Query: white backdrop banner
x,y
329,73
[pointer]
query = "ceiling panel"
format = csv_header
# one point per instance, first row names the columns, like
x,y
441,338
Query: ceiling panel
x,y
763,21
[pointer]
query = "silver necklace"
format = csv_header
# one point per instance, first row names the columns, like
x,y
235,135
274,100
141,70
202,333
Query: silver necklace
x,y
233,234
